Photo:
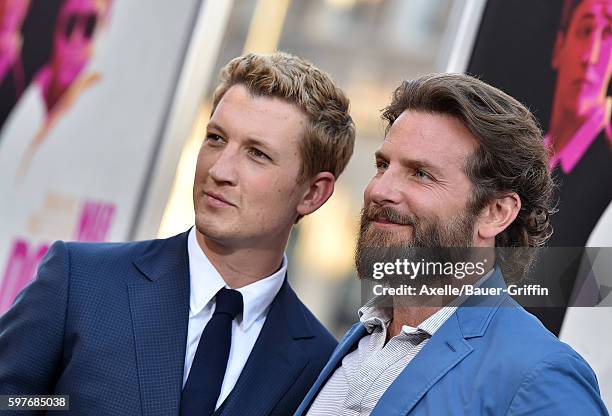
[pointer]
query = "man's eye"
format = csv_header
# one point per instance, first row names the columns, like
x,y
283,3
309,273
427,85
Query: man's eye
x,y
584,31
259,154
381,165
214,139
422,175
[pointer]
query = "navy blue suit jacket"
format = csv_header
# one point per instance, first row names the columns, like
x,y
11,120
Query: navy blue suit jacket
x,y
107,325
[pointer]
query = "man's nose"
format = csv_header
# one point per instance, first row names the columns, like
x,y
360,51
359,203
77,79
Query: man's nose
x,y
384,189
223,171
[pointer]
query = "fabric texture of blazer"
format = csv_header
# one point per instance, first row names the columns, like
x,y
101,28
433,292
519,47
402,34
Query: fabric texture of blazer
x,y
490,357
106,324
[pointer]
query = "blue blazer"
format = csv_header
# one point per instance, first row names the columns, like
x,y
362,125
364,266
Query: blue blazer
x,y
490,357
107,325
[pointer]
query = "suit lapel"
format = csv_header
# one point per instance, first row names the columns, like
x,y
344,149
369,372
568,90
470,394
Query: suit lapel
x,y
159,305
348,342
275,361
447,348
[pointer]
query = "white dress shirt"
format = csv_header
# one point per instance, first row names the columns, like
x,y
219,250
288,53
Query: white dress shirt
x,y
205,282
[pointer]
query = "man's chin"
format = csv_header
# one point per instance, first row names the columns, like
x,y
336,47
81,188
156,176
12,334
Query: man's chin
x,y
216,232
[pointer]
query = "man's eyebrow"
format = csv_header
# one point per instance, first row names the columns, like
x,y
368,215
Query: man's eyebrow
x,y
254,141
380,155
249,141
420,164
215,126
412,163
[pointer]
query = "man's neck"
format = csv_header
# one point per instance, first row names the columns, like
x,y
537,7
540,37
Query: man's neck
x,y
240,267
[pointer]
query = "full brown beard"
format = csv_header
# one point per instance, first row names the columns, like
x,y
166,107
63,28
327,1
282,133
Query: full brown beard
x,y
377,245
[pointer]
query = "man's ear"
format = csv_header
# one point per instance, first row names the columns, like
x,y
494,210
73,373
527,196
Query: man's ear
x,y
556,54
320,189
497,215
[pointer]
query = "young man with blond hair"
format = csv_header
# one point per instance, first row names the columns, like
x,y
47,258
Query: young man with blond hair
x,y
204,322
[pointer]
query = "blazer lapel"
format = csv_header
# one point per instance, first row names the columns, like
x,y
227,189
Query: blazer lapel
x,y
351,338
159,305
447,348
275,361
442,352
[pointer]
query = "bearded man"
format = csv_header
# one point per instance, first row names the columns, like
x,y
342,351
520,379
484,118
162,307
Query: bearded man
x,y
462,165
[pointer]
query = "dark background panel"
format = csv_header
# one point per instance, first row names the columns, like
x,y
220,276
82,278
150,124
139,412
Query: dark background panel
x,y
37,31
513,51
37,35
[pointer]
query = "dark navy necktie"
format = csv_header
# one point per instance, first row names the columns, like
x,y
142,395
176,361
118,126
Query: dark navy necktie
x,y
203,386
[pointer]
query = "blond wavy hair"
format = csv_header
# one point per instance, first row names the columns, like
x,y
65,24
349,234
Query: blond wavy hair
x,y
329,136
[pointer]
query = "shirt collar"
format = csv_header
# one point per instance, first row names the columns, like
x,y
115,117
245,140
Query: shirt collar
x,y
579,143
373,314
376,313
205,281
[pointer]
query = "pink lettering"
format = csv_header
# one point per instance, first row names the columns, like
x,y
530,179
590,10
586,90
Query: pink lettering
x,y
20,269
95,221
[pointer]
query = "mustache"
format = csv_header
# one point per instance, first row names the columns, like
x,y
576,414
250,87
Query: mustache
x,y
374,212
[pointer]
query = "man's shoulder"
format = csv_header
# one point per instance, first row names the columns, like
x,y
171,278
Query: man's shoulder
x,y
114,251
319,329
540,367
117,262
516,348
321,336
522,341
518,323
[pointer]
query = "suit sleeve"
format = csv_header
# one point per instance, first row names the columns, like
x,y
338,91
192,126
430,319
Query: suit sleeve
x,y
563,384
32,331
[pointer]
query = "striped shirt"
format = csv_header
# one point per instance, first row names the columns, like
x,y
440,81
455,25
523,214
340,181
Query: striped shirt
x,y
368,371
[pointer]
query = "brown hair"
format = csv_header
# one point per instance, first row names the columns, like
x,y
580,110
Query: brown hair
x,y
511,155
329,136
